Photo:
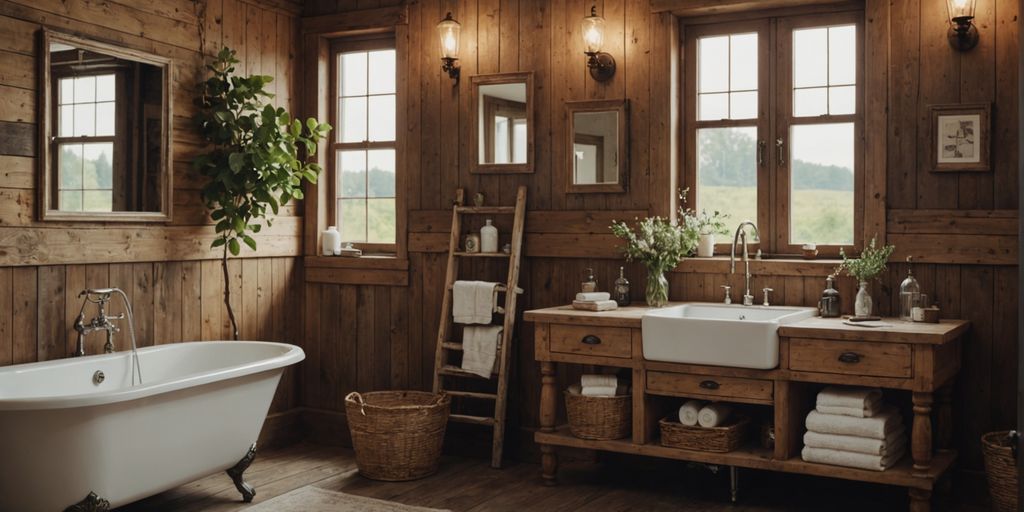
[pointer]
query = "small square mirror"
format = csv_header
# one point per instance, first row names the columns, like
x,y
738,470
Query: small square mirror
x,y
596,146
504,123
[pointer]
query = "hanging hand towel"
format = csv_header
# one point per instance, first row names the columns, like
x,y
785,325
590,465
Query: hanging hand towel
x,y
894,441
596,380
593,296
714,415
875,427
472,302
853,397
851,459
479,348
689,411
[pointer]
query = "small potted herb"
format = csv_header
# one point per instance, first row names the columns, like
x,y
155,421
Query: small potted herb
x,y
868,266
707,225
660,244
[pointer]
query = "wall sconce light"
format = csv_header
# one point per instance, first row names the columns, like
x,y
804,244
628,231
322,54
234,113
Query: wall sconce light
x,y
601,64
963,35
448,30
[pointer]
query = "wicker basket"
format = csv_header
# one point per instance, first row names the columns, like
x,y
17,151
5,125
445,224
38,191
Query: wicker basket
x,y
599,417
397,435
704,439
1001,467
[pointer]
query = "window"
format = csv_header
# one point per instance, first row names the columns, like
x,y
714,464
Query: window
x,y
85,117
364,147
773,127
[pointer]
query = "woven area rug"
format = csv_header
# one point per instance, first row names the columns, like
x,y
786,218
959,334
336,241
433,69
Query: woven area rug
x,y
314,499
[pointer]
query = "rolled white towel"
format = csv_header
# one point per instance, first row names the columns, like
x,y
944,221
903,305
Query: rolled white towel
x,y
713,415
851,459
846,396
869,409
896,440
605,391
876,427
689,411
593,296
597,380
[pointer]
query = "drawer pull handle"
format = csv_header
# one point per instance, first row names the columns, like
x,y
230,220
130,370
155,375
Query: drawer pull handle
x,y
590,339
709,384
849,357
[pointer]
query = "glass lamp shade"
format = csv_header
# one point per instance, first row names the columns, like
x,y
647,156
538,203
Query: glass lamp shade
x,y
448,32
960,9
593,32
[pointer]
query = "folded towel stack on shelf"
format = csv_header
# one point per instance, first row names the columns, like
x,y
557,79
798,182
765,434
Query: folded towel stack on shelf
x,y
594,301
699,412
600,385
852,427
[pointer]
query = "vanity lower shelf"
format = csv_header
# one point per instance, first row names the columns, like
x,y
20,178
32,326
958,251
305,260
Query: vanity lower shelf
x,y
902,474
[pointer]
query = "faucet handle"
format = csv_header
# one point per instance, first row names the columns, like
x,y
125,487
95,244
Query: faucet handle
x,y
766,291
728,294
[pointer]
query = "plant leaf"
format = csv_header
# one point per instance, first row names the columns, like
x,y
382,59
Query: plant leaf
x,y
234,247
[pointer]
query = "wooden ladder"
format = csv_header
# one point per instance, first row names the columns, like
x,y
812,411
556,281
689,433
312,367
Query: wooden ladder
x,y
442,368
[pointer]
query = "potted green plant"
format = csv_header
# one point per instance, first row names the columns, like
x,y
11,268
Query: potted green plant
x,y
251,158
868,266
706,224
660,244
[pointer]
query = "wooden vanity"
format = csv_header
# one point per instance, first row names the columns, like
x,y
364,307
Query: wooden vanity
x,y
921,359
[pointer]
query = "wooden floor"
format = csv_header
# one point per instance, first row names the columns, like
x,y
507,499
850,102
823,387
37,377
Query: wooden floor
x,y
615,483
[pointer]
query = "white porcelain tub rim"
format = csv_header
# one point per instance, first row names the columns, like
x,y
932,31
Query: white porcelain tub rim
x,y
290,354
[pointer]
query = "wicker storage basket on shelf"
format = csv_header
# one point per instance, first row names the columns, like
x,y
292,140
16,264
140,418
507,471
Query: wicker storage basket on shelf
x,y
705,439
599,417
1001,468
397,435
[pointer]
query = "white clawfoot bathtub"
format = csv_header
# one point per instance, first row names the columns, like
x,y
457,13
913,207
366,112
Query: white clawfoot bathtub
x,y
200,408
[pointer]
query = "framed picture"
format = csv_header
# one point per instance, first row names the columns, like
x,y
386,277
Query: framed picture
x,y
960,137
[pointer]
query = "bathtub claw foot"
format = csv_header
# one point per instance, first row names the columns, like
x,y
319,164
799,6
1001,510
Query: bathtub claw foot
x,y
248,493
91,503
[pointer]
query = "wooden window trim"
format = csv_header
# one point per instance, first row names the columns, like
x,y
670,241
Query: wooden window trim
x,y
774,116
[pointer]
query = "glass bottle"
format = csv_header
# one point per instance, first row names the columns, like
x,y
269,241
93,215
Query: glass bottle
x,y
589,283
910,296
621,294
830,304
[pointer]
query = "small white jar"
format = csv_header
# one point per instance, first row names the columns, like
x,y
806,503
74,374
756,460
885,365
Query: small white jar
x,y
488,238
331,241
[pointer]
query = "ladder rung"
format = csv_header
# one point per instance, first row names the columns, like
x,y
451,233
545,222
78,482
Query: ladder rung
x,y
483,255
452,346
455,371
475,420
470,394
485,209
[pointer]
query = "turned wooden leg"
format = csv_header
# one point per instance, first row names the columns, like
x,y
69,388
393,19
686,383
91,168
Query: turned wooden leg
x,y
921,437
920,500
548,411
944,417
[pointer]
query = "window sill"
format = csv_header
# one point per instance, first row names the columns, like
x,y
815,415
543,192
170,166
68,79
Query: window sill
x,y
765,267
367,270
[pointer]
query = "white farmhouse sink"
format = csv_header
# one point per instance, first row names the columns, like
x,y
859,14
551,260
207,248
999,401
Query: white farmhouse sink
x,y
718,334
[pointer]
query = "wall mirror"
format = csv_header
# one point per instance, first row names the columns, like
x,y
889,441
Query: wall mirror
x,y
596,146
503,119
104,132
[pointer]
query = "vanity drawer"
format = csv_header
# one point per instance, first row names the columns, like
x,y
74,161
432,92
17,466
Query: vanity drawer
x,y
851,358
592,341
711,386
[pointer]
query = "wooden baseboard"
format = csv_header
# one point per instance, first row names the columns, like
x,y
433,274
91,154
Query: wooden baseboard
x,y
281,429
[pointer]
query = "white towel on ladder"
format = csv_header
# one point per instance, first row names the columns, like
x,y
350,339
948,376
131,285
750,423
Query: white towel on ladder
x,y
472,302
480,348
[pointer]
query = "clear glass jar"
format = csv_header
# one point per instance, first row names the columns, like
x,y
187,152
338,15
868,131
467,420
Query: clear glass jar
x,y
910,296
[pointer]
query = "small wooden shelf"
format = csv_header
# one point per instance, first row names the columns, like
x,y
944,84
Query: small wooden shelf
x,y
483,255
755,457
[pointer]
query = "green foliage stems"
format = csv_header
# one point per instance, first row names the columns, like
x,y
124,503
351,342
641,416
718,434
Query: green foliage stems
x,y
251,158
703,223
870,264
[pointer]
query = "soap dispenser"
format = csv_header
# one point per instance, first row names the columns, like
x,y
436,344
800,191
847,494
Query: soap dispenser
x,y
621,288
829,305
489,238
910,295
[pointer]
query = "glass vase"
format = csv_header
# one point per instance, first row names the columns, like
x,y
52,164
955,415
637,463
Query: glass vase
x,y
862,305
657,288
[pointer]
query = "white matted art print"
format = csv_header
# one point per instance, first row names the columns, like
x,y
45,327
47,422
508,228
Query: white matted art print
x,y
960,137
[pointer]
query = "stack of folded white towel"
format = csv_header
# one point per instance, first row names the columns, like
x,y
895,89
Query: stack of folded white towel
x,y
599,385
705,414
852,427
594,301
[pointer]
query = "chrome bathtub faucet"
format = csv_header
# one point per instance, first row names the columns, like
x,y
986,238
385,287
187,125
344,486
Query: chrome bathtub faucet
x,y
104,322
741,236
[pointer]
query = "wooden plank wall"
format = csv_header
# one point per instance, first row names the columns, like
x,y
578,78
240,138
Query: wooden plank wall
x,y
962,226
175,287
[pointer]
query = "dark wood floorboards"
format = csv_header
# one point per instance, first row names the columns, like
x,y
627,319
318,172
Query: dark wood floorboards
x,y
614,483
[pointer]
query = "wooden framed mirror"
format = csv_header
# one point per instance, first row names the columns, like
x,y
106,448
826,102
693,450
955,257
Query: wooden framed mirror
x,y
104,132
597,149
503,123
